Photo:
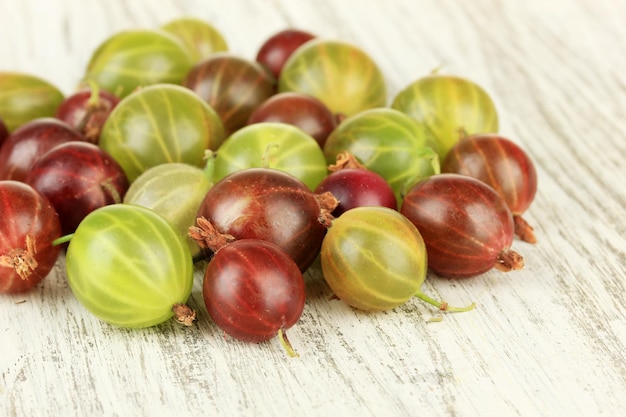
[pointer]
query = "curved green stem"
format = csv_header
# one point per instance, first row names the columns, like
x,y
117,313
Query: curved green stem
x,y
442,305
107,186
63,239
94,97
282,336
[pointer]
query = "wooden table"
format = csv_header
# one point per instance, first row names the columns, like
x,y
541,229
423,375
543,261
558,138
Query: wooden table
x,y
545,341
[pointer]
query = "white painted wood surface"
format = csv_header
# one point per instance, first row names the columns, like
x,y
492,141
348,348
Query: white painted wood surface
x,y
545,341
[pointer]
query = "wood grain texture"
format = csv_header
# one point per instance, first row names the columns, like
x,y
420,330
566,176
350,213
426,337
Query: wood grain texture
x,y
549,340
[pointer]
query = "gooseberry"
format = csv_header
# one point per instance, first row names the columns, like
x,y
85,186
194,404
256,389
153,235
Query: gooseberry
x,y
502,164
466,225
129,267
374,259
24,97
449,107
253,290
300,110
159,124
134,58
29,225
232,85
29,142
387,142
272,205
199,37
343,76
272,145
87,110
77,178
276,49
174,190
353,185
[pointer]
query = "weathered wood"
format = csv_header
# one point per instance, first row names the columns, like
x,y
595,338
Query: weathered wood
x,y
545,341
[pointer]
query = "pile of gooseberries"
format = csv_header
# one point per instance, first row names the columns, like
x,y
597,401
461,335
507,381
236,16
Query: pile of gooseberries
x,y
176,156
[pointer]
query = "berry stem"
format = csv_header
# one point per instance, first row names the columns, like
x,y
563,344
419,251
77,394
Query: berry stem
x,y
327,203
206,235
94,97
524,230
63,239
282,335
442,305
345,160
108,187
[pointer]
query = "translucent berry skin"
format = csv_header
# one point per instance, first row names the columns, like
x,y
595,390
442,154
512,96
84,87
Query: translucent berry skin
x,y
466,226
503,165
77,178
25,97
267,204
24,146
29,224
448,105
341,75
252,289
136,58
128,266
298,109
200,38
275,51
500,163
373,258
232,85
86,111
355,187
182,128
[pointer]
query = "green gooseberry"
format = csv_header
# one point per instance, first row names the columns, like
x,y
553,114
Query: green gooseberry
x,y
136,58
344,77
199,37
387,142
175,191
272,145
25,97
450,107
128,266
159,124
374,259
